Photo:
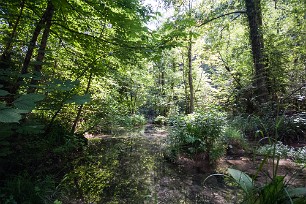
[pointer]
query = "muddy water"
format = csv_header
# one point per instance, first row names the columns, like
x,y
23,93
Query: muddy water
x,y
131,168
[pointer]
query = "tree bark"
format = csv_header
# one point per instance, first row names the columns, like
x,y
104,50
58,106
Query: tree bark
x,y
257,43
190,79
185,86
75,122
27,59
35,35
43,44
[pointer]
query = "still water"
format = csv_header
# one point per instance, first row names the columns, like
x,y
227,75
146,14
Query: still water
x,y
131,168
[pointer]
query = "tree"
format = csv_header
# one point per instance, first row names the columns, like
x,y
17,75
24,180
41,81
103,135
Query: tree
x,y
253,8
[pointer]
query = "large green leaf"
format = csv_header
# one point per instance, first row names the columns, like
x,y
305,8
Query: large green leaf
x,y
79,99
9,115
3,92
27,102
31,129
2,105
244,181
296,192
61,85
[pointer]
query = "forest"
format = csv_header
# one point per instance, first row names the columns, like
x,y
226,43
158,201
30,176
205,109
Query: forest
x,y
152,101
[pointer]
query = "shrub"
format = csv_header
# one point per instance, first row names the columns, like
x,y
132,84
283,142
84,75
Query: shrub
x,y
284,151
234,138
137,120
282,128
274,191
128,121
198,133
160,120
234,135
24,189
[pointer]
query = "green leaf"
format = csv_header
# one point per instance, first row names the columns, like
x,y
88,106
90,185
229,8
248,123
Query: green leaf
x,y
9,115
60,85
22,111
296,192
79,100
2,105
244,181
3,92
26,76
31,129
5,131
27,102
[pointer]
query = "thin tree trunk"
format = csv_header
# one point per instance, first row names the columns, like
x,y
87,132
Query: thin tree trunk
x,y
185,87
48,129
190,79
257,42
163,93
81,106
6,55
43,45
5,59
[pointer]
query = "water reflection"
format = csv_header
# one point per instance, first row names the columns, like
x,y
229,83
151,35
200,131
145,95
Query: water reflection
x,y
132,169
113,171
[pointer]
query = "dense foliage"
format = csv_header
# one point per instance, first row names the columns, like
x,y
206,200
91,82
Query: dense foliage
x,y
70,68
199,133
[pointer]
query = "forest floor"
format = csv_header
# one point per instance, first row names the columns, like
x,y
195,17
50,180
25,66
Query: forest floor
x,y
191,181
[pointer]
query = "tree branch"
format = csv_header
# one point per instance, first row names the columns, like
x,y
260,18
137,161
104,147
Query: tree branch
x,y
229,70
293,92
220,16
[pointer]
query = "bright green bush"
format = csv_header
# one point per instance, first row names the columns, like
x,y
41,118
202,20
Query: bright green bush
x,y
234,137
160,120
198,133
137,120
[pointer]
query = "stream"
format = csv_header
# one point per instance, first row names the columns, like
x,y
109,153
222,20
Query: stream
x,y
130,168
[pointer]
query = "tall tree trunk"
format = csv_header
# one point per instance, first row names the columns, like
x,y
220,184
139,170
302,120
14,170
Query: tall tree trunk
x,y
43,44
37,30
77,118
190,79
253,9
185,87
163,92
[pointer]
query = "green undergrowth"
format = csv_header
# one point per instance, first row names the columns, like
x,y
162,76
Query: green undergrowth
x,y
276,190
33,160
198,133
270,134
297,154
288,129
